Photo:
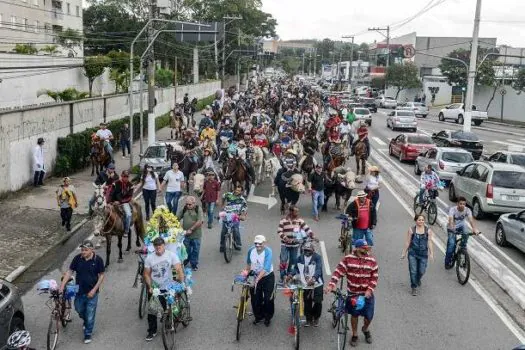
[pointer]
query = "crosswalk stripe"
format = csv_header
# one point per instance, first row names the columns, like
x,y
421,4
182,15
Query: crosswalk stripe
x,y
379,141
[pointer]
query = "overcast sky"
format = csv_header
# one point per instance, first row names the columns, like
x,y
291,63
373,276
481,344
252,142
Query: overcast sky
x,y
305,19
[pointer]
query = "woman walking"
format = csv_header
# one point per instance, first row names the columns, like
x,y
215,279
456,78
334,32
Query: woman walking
x,y
67,201
149,183
372,184
419,247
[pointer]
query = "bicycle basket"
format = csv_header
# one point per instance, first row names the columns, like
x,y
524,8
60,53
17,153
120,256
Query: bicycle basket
x,y
70,291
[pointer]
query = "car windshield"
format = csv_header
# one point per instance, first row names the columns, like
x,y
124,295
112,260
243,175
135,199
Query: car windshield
x,y
419,139
405,114
457,157
509,179
417,104
155,152
361,111
518,159
462,135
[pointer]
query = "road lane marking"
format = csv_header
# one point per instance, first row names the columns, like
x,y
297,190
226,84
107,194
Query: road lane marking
x,y
484,294
424,132
518,142
325,259
503,143
379,141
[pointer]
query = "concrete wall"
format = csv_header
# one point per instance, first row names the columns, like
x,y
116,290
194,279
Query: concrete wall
x,y
442,97
513,104
20,129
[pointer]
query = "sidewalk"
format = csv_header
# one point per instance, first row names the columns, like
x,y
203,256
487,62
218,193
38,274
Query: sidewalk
x,y
31,224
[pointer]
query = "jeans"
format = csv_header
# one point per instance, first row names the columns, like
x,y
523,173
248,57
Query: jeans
x,y
235,231
66,214
210,210
421,195
417,266
263,298
150,201
172,200
451,244
287,260
375,197
193,247
109,149
367,234
126,207
38,178
123,145
317,202
86,309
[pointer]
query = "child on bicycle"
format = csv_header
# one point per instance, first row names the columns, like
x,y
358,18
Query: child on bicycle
x,y
429,182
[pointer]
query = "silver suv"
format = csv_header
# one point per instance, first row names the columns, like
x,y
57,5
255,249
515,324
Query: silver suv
x,y
445,161
11,311
490,187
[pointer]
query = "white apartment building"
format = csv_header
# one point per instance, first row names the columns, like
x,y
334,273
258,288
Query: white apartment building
x,y
38,21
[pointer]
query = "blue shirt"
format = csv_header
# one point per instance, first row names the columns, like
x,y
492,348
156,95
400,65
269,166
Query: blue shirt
x,y
259,262
87,272
228,133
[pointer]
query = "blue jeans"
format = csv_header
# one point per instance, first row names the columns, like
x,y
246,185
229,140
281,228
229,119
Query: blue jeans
x,y
421,195
287,260
172,200
193,247
451,244
123,145
236,234
317,202
109,149
86,309
126,207
375,197
210,210
367,234
417,266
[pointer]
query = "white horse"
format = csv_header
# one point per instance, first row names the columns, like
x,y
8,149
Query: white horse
x,y
258,162
297,146
271,167
98,214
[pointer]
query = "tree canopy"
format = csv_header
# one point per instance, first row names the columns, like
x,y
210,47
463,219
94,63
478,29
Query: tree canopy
x,y
403,76
456,72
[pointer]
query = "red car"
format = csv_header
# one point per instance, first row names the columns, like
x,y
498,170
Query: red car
x,y
409,146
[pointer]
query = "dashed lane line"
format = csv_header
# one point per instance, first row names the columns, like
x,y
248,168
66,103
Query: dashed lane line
x,y
379,141
327,270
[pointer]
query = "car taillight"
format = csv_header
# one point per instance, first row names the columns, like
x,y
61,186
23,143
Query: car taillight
x,y
490,191
441,165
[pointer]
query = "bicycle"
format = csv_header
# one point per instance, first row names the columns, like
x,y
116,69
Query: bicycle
x,y
429,205
60,306
143,296
242,306
295,292
228,220
339,317
345,235
461,257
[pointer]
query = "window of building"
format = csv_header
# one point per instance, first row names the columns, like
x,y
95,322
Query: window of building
x,y
25,23
13,22
68,8
36,26
78,11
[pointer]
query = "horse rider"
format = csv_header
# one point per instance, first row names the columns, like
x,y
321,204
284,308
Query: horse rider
x,y
332,121
289,160
225,133
260,139
226,120
105,135
190,145
206,121
106,178
362,135
208,133
245,154
122,194
345,130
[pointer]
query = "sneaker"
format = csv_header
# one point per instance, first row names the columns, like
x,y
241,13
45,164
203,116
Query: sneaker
x,y
267,323
150,336
256,321
308,323
353,341
316,322
210,226
414,292
87,339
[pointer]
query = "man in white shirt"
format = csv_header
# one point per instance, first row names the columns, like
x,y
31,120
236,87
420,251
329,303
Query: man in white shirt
x,y
173,183
107,136
38,163
158,273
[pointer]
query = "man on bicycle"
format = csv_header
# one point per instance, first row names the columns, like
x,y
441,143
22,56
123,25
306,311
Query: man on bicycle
x,y
457,217
233,202
290,227
361,272
158,273
429,181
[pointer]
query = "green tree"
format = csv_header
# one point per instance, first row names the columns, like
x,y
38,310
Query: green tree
x,y
378,83
164,77
50,49
403,76
519,81
291,65
70,94
25,49
94,66
456,72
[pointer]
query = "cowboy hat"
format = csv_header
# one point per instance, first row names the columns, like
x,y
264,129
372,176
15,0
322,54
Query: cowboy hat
x,y
373,168
290,150
361,194
241,143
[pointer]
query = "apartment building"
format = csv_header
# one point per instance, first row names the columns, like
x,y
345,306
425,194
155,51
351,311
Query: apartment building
x,y
38,22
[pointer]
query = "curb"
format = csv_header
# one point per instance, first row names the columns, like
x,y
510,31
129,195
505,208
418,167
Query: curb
x,y
21,269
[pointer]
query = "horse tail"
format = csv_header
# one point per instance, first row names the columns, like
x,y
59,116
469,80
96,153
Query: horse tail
x,y
139,222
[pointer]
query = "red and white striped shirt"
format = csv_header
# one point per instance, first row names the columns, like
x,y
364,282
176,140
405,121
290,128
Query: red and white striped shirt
x,y
361,273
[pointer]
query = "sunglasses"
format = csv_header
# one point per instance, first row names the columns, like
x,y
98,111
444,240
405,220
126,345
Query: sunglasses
x,y
258,244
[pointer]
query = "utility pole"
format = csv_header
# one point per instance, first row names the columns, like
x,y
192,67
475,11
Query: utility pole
x,y
351,69
151,80
315,62
303,63
216,54
472,70
387,36
175,82
195,65
224,46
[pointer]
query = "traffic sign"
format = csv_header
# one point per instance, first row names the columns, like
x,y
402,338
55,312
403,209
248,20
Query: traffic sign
x,y
503,91
409,51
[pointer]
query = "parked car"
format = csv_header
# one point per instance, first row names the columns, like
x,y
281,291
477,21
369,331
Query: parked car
x,y
386,102
445,161
419,108
510,229
363,114
11,311
490,187
156,156
461,139
456,111
400,119
409,146
509,157
370,104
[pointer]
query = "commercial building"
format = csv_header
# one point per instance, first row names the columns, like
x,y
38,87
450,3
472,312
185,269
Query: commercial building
x,y
275,46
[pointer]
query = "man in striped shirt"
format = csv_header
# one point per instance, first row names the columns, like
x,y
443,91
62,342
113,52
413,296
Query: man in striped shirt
x,y
361,272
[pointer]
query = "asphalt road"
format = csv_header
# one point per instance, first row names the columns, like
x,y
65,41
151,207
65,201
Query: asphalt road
x,y
445,315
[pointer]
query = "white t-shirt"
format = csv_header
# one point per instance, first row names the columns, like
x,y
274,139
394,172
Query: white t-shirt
x,y
345,129
174,180
104,134
257,261
150,183
460,217
372,182
161,267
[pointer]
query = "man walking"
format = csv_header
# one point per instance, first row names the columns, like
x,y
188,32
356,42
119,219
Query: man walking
x,y
191,217
38,163
124,140
316,181
210,195
361,272
364,218
89,270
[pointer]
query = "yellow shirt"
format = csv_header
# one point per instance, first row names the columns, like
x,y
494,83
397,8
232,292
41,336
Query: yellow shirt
x,y
208,133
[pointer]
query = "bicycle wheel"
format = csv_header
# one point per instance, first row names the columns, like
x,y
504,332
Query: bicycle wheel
x,y
416,203
185,310
143,300
344,240
462,266
65,312
333,311
342,328
168,330
432,213
297,326
228,247
240,317
52,332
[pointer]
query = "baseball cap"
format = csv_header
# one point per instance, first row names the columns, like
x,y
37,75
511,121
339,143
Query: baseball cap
x,y
158,241
87,244
111,166
361,243
259,239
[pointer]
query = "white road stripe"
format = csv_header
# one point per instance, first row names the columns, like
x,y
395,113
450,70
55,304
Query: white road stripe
x,y
504,143
379,141
327,270
518,142
494,305
424,132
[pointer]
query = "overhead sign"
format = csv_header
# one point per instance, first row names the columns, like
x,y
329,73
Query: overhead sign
x,y
409,51
194,33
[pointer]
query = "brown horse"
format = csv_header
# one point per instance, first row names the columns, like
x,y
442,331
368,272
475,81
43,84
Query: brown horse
x,y
99,157
361,155
177,126
237,173
114,226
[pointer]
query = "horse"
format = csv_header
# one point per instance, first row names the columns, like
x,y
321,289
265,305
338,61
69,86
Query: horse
x,y
99,206
258,161
99,157
236,172
361,155
341,183
271,167
186,166
113,225
307,164
178,123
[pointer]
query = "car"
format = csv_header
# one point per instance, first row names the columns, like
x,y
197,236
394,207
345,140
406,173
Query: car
x,y
445,161
409,146
156,156
386,102
509,157
400,119
461,139
510,229
369,103
490,187
11,311
456,111
363,114
419,108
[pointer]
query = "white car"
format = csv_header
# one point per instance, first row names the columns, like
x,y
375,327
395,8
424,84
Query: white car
x,y
445,161
363,114
386,102
401,119
419,108
456,111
